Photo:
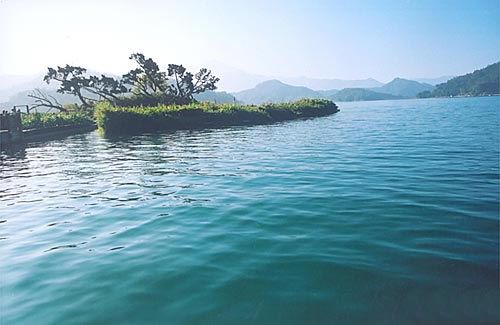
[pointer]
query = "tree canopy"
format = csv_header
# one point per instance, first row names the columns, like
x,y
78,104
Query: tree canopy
x,y
484,81
147,83
72,81
147,79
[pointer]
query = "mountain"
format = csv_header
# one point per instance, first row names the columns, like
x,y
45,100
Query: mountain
x,y
11,85
361,94
327,84
434,81
273,91
9,81
485,81
403,88
14,89
219,97
234,80
327,93
22,98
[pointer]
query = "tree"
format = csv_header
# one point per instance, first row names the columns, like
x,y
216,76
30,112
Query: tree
x,y
485,81
106,87
72,81
204,81
424,94
183,85
183,80
146,80
149,80
44,100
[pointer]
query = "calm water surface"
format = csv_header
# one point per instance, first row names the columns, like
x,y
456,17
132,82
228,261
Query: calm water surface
x,y
386,212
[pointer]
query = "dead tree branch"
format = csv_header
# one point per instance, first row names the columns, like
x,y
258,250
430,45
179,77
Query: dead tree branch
x,y
45,100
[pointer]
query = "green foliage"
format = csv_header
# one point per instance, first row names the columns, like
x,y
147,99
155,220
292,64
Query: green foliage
x,y
151,100
183,84
114,119
148,84
72,81
485,81
47,120
105,87
72,107
424,94
147,79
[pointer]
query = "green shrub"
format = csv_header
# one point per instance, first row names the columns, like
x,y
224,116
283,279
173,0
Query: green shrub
x,y
113,119
151,101
47,120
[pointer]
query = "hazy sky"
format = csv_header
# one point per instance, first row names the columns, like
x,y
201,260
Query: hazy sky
x,y
324,39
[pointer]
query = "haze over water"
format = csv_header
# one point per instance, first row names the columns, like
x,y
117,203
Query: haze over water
x,y
384,212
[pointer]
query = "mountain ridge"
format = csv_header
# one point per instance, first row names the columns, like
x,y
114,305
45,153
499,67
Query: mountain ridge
x,y
273,91
362,94
328,84
403,88
485,81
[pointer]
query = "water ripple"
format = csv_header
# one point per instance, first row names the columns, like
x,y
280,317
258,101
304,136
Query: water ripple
x,y
386,212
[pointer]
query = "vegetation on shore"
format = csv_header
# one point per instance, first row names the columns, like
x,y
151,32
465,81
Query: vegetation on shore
x,y
119,120
145,85
481,82
48,120
148,99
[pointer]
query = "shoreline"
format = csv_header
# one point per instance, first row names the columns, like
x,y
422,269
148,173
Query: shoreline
x,y
114,120
45,134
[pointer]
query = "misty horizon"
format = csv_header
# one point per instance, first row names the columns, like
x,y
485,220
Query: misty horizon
x,y
218,67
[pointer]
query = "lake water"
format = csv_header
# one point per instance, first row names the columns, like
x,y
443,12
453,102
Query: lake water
x,y
386,212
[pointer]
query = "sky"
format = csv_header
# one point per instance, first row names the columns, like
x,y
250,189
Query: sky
x,y
318,39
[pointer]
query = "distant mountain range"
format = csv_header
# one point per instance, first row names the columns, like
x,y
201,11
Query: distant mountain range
x,y
10,86
327,84
273,91
270,91
403,88
484,81
235,80
360,94
433,81
22,98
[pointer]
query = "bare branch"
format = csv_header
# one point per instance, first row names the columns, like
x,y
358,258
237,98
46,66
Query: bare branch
x,y
44,100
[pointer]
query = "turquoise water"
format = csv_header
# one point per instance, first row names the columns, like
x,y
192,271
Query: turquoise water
x,y
386,212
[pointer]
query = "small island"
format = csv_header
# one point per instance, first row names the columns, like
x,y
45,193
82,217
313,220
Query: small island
x,y
119,120
145,99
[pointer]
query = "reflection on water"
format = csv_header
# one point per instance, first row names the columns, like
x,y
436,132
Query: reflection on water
x,y
385,212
